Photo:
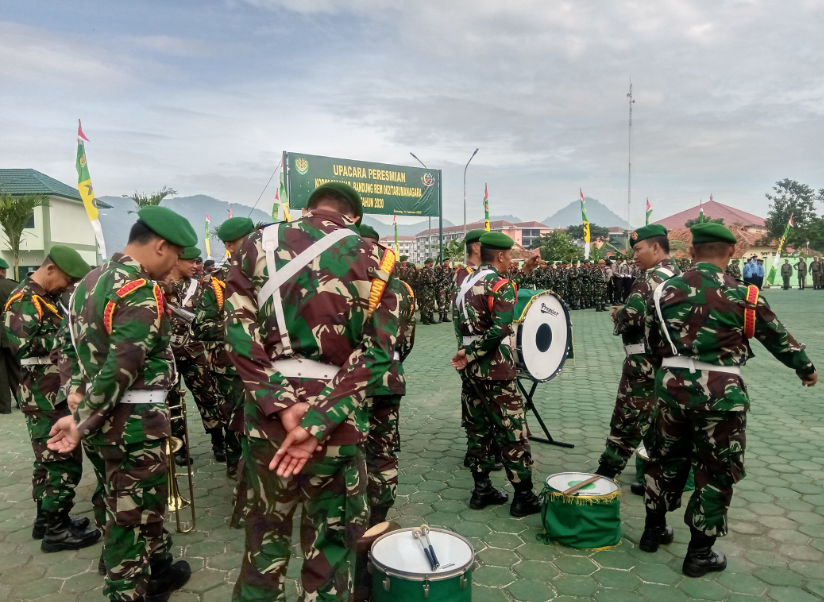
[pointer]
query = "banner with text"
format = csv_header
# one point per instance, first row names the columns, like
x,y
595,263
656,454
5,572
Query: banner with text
x,y
384,189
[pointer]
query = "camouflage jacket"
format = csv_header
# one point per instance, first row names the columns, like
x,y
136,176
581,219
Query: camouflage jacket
x,y
210,319
630,319
394,381
734,270
326,310
184,344
32,318
122,333
490,311
703,311
427,279
457,281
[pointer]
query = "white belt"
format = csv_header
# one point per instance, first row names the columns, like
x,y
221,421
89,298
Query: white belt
x,y
33,361
144,396
471,339
298,368
680,361
634,349
396,357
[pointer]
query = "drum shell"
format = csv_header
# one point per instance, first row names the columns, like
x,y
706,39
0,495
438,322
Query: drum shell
x,y
522,307
403,590
641,460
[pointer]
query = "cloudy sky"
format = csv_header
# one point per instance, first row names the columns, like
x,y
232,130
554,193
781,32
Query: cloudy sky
x,y
204,95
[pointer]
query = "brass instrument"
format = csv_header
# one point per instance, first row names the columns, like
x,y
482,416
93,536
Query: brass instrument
x,y
174,501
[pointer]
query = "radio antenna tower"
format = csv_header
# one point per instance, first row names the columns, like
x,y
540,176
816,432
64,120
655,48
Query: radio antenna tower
x,y
629,178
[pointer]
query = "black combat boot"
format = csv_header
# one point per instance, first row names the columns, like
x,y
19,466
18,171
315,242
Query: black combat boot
x,y
41,523
524,502
61,536
445,318
656,531
700,558
638,488
485,494
165,579
218,444
605,470
182,458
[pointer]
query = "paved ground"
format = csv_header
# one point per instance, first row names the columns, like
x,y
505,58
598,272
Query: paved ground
x,y
775,548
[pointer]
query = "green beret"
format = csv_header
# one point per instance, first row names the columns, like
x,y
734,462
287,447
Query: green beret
x,y
69,261
404,257
429,260
190,253
410,265
3,264
702,233
368,232
168,225
646,232
234,228
346,190
473,236
497,241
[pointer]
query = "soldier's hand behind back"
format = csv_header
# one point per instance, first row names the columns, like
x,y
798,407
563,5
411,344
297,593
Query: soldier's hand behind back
x,y
294,452
64,435
460,361
810,380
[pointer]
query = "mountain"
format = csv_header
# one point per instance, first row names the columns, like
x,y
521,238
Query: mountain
x,y
507,218
597,212
403,229
117,221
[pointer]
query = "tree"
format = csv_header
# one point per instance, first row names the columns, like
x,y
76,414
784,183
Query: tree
x,y
15,213
558,246
143,200
792,198
691,222
576,232
452,250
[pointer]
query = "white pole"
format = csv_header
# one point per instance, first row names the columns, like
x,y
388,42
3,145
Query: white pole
x,y
464,229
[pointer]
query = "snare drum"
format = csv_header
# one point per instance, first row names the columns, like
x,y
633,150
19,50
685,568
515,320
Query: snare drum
x,y
641,460
588,519
401,572
543,334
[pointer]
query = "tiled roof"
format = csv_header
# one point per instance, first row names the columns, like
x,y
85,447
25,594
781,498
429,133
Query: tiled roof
x,y
404,238
714,210
30,181
496,225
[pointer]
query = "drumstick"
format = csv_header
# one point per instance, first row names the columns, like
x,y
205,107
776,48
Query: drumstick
x,y
580,485
425,531
416,533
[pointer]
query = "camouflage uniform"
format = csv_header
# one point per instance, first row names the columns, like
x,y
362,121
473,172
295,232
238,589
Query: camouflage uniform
x,y
122,337
192,362
734,270
333,289
702,413
32,319
208,328
383,442
499,414
426,294
635,403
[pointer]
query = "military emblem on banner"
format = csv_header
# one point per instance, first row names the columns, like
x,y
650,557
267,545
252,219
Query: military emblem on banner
x,y
428,179
302,165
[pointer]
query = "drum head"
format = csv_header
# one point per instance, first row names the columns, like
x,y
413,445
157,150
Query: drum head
x,y
399,553
641,452
543,336
562,481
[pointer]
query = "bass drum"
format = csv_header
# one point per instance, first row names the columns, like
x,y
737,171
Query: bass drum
x,y
543,334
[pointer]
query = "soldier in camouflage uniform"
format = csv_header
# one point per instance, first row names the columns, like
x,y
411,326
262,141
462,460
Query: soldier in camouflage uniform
x,y
700,323
208,327
121,337
734,269
306,384
31,322
426,292
486,313
444,286
635,402
184,292
599,283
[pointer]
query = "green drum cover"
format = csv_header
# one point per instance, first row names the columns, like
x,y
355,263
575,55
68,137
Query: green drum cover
x,y
641,468
524,297
582,522
403,590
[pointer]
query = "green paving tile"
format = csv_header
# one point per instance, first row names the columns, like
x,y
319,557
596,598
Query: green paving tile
x,y
575,585
791,594
614,559
744,584
656,573
536,570
487,594
617,595
527,590
779,576
493,576
507,541
575,566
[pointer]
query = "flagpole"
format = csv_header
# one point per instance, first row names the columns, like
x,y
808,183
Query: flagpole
x,y
429,227
629,164
465,168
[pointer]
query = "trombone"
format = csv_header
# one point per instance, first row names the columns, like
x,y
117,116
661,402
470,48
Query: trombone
x,y
174,501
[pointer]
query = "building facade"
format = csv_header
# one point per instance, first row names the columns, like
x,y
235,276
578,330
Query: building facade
x,y
406,244
524,234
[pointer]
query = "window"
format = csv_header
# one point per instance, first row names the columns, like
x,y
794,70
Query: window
x,y
30,223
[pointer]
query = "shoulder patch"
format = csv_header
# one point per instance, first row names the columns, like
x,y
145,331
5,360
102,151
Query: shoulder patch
x,y
13,298
158,295
378,283
749,314
498,286
130,287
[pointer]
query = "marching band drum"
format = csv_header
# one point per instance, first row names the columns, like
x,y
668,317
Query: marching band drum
x,y
543,334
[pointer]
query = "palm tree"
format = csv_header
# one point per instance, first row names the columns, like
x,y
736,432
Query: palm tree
x,y
15,213
143,200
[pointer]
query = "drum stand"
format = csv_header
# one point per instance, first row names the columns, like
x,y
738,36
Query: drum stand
x,y
530,405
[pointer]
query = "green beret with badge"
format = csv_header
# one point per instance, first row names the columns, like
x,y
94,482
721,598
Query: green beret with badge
x,y
496,241
473,236
190,253
404,257
350,194
168,225
704,233
235,228
69,261
368,232
646,232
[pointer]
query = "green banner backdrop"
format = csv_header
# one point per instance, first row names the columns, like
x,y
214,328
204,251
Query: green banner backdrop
x,y
384,189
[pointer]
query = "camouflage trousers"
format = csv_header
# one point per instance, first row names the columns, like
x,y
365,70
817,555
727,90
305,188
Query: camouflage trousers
x,y
331,492
194,370
711,442
427,303
99,494
496,419
631,418
382,446
230,393
55,475
135,542
444,306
